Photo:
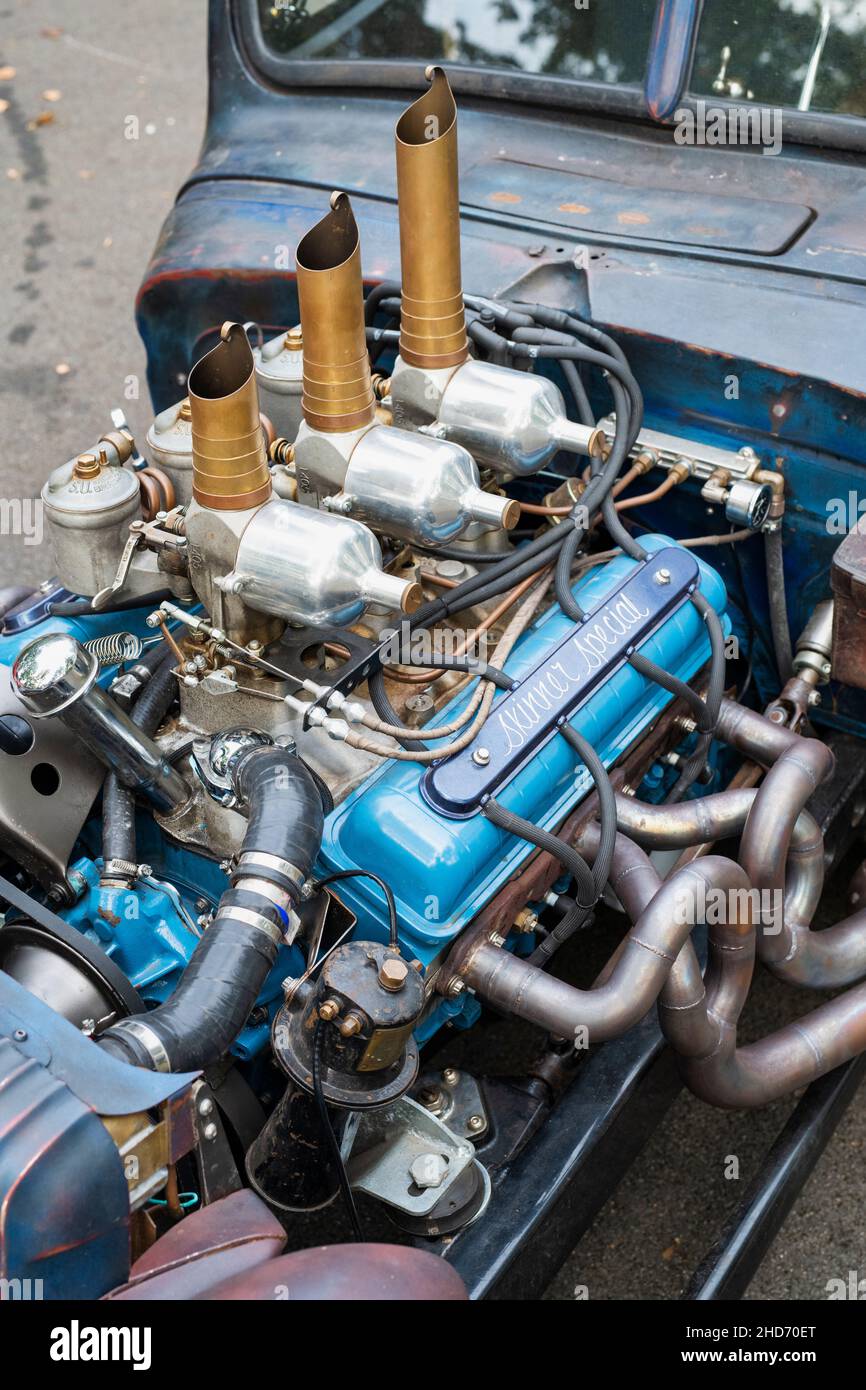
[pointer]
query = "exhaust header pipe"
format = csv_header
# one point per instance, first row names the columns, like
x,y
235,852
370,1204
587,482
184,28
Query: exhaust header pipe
x,y
338,388
433,325
230,470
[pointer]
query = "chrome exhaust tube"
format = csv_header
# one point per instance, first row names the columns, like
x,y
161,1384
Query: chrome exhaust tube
x,y
56,675
699,1019
624,997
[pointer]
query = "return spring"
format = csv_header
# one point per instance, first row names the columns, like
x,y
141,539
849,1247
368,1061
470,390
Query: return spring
x,y
114,647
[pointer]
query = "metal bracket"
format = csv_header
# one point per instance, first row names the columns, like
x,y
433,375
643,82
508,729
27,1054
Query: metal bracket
x,y
399,1145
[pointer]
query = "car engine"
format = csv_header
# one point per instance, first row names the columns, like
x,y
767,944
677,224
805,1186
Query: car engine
x,y
345,710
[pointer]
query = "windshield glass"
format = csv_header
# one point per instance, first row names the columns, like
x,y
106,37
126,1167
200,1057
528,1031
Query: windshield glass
x,y
795,53
560,38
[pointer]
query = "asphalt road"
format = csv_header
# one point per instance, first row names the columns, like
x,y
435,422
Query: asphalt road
x,y
82,205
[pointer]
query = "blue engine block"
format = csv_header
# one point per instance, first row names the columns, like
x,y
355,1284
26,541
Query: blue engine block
x,y
442,870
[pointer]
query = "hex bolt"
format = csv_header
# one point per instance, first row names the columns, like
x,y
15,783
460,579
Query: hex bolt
x,y
210,1131
329,1010
206,1106
430,1096
481,757
456,987
393,974
450,1076
526,920
662,576
350,1026
428,1170
476,1123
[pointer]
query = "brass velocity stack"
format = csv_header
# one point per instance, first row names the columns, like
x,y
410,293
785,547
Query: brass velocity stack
x,y
230,470
338,387
433,325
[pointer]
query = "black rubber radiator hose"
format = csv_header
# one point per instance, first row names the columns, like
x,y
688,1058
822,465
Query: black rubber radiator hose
x,y
221,983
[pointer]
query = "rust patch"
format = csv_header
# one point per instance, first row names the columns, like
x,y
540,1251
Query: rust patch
x,y
108,916
633,219
574,207
505,198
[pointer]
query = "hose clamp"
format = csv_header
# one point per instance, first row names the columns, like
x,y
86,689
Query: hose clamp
x,y
251,858
252,919
123,869
149,1040
281,900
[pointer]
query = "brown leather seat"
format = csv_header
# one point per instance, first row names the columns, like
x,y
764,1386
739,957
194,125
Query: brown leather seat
x,y
346,1273
205,1248
231,1250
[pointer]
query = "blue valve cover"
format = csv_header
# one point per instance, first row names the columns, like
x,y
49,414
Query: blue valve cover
x,y
444,861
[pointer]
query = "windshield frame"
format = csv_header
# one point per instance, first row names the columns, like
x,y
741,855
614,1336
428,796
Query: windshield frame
x,y
507,84
823,129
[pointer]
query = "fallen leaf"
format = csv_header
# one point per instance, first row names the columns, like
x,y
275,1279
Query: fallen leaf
x,y
51,94
44,118
85,173
108,241
13,174
63,369
6,74
4,105
51,32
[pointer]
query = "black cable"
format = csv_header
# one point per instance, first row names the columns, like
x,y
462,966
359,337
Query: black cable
x,y
611,366
454,552
333,1142
618,533
387,289
715,690
601,481
387,713
674,686
77,608
544,839
578,390
575,919
569,323
387,337
577,916
501,679
601,864
339,874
